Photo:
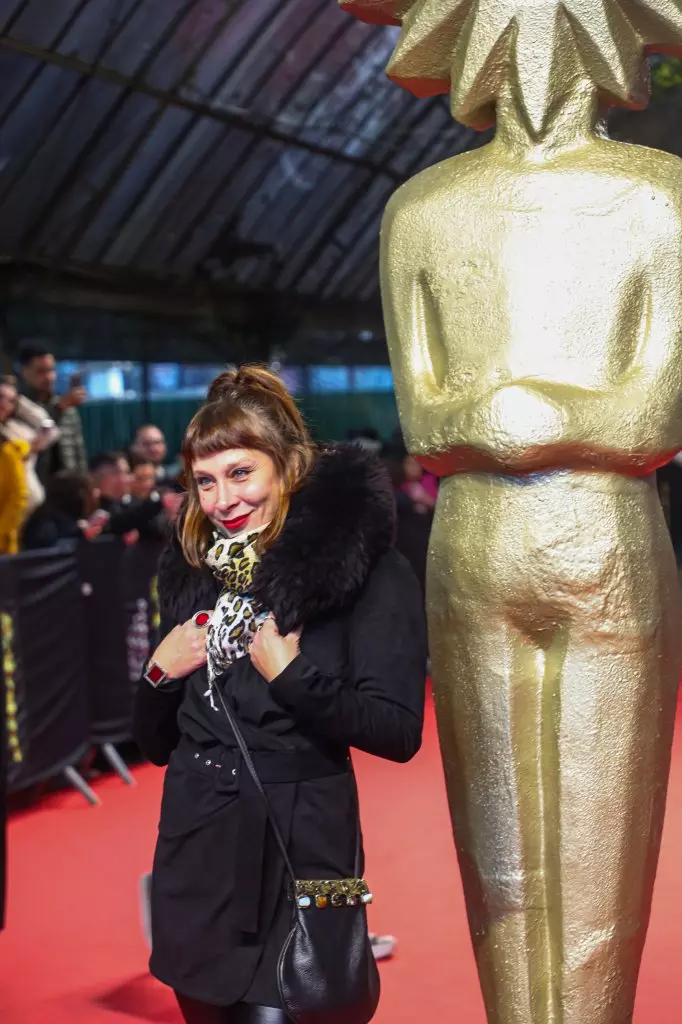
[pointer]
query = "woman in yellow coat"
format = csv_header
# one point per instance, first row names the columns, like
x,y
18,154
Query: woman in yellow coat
x,y
13,485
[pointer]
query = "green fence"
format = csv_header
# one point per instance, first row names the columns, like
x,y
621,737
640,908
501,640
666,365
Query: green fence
x,y
110,425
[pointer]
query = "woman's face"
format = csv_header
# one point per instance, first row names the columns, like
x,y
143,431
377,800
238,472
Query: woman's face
x,y
8,399
238,489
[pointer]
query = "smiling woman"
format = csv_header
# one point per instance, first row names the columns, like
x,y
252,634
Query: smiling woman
x,y
314,639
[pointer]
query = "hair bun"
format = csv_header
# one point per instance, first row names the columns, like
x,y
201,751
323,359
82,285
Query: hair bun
x,y
247,381
223,386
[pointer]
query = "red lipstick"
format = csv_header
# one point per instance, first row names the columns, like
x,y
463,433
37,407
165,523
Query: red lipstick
x,y
238,523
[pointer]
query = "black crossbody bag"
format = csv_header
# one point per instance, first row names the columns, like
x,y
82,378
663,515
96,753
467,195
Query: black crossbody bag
x,y
326,973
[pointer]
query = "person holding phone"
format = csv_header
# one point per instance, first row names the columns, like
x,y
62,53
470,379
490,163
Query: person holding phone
x,y
37,367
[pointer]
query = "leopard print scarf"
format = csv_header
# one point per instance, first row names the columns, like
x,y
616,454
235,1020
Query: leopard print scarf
x,y
236,617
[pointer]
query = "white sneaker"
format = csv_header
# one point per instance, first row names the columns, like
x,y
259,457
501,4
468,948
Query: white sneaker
x,y
383,946
145,914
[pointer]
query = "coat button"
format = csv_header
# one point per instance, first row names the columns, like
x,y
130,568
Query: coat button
x,y
208,763
234,771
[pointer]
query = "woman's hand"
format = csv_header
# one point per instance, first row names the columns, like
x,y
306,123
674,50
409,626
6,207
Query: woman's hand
x,y
172,504
271,652
90,530
182,651
41,441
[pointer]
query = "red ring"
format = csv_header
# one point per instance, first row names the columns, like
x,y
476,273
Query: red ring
x,y
201,619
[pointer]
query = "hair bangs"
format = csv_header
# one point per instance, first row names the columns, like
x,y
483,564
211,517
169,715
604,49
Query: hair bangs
x,y
217,427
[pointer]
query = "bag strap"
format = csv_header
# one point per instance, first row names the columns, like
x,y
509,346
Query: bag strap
x,y
248,761
251,768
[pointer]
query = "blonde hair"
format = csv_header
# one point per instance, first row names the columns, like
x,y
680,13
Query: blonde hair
x,y
245,408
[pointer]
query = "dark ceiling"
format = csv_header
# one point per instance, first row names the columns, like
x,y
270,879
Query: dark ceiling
x,y
245,144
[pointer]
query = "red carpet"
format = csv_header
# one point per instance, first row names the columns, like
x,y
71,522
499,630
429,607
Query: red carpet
x,y
73,952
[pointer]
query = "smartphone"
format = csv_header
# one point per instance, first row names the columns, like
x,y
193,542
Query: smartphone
x,y
100,517
76,380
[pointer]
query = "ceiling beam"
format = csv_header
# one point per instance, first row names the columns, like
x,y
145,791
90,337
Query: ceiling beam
x,y
224,114
131,293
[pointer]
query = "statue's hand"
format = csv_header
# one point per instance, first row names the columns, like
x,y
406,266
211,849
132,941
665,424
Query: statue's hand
x,y
522,418
507,427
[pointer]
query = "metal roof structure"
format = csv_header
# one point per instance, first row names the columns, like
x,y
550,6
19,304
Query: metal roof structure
x,y
251,144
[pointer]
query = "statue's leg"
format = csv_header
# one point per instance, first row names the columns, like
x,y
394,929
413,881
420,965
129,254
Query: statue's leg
x,y
555,704
494,706
618,696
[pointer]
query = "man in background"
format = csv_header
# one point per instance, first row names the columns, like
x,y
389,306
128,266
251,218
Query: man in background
x,y
143,486
143,480
149,443
38,379
127,516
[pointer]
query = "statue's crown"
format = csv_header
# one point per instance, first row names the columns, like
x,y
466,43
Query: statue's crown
x,y
473,48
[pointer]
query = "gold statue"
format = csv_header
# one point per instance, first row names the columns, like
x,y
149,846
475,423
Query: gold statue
x,y
533,302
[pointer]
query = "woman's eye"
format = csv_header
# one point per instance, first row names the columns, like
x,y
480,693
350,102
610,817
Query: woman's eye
x,y
240,473
204,481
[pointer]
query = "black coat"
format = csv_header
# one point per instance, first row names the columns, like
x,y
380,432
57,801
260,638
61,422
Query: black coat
x,y
46,527
220,912
145,516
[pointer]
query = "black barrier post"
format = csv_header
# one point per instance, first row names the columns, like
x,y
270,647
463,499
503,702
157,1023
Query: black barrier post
x,y
142,604
76,625
102,566
4,698
118,580
45,685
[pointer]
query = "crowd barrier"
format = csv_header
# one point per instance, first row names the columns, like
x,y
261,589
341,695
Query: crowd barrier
x,y
77,623
3,804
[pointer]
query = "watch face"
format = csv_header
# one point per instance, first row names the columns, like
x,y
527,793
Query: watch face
x,y
155,674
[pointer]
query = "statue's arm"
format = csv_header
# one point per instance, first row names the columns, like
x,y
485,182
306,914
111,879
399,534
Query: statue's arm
x,y
416,357
432,418
448,432
641,412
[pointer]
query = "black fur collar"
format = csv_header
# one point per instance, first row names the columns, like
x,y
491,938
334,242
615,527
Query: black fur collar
x,y
338,526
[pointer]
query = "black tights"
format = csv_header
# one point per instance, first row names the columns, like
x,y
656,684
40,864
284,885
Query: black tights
x,y
195,1012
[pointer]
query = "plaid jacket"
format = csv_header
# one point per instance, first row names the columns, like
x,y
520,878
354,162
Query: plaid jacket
x,y
69,451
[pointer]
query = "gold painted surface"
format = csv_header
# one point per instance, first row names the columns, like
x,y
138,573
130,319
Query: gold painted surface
x,y
474,48
554,620
532,294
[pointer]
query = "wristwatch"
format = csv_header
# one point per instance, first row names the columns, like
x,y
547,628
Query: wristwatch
x,y
155,675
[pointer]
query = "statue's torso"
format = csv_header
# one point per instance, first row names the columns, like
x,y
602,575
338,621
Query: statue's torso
x,y
568,274
563,301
